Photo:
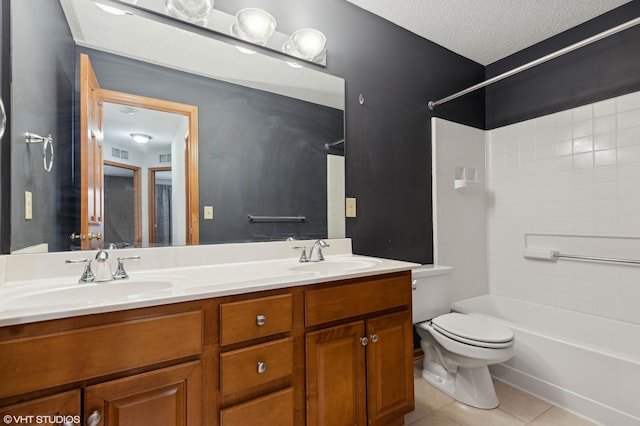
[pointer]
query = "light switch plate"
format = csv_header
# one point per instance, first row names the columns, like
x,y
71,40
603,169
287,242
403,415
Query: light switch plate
x,y
28,205
351,207
208,212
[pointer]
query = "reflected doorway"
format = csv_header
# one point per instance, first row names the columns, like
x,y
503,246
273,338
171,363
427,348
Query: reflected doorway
x,y
110,122
160,206
122,197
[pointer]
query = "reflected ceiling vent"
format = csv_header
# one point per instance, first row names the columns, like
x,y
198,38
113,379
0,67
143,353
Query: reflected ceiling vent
x,y
120,153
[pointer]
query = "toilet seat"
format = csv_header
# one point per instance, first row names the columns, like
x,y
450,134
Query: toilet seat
x,y
473,330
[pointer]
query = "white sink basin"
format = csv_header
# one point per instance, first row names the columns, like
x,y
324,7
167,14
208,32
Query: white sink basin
x,y
91,294
337,266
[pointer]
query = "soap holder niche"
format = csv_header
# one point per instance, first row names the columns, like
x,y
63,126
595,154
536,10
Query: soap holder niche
x,y
466,177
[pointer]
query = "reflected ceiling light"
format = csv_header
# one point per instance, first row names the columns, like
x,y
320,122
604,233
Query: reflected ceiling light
x,y
194,11
127,110
294,64
141,138
253,25
246,51
112,10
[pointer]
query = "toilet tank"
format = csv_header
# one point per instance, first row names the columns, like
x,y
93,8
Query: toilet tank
x,y
432,292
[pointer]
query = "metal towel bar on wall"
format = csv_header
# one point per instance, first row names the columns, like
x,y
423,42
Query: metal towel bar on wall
x,y
47,142
253,218
597,258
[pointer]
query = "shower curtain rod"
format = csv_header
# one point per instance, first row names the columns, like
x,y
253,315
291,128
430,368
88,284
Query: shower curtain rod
x,y
432,104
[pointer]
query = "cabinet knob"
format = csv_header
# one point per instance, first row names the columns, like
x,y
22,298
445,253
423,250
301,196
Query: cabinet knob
x,y
262,367
364,341
261,320
94,419
374,338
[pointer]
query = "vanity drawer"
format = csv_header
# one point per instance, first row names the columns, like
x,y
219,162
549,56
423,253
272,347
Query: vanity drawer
x,y
250,319
367,296
33,363
245,368
273,409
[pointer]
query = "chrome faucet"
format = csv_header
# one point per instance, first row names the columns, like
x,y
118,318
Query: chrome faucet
x,y
319,244
103,270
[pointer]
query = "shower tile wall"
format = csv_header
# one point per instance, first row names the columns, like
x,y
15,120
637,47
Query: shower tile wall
x,y
574,172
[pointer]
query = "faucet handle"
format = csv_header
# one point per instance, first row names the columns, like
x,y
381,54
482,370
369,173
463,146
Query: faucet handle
x,y
120,273
303,256
87,276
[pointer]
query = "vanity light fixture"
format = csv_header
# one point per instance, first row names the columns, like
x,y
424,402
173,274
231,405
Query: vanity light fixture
x,y
253,25
194,11
141,138
307,44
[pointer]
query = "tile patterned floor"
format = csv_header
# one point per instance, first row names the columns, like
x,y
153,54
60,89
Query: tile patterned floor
x,y
517,408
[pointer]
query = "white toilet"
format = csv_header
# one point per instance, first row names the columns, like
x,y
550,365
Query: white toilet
x,y
457,347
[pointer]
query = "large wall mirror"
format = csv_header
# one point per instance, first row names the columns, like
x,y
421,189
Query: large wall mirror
x,y
197,141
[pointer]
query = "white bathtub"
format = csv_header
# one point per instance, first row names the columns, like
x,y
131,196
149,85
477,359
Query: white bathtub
x,y
585,363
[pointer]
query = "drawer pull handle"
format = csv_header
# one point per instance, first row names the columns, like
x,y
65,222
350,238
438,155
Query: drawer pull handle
x,y
94,419
262,367
374,338
261,320
364,341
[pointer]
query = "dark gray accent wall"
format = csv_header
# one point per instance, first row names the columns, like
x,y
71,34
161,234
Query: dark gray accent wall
x,y
42,77
259,153
5,142
388,139
602,70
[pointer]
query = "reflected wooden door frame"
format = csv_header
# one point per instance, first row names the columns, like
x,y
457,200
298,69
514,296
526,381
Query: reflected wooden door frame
x,y
191,149
137,198
92,179
152,201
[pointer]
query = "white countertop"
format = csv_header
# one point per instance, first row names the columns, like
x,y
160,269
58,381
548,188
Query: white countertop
x,y
27,296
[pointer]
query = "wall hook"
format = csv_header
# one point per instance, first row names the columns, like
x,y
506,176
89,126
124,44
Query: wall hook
x,y
361,99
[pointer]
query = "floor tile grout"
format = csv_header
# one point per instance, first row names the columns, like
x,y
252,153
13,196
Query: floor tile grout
x,y
516,414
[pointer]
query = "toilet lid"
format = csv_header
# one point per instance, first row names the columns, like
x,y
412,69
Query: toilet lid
x,y
472,328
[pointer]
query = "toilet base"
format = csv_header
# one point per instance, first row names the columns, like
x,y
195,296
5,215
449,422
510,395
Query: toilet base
x,y
471,386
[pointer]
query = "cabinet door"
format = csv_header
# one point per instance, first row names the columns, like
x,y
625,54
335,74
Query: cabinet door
x,y
390,367
336,382
167,397
59,409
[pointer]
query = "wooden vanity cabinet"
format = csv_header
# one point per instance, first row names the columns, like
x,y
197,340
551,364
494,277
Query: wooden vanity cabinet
x,y
360,372
282,357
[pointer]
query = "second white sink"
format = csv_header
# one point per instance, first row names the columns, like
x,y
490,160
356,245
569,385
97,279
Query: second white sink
x,y
337,266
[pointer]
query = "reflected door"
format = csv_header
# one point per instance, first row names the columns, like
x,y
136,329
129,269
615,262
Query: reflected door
x,y
91,170
160,209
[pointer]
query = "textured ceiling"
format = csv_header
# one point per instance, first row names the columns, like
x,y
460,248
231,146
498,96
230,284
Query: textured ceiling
x,y
487,30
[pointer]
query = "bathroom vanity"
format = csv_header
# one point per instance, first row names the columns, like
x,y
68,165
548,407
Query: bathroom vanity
x,y
328,343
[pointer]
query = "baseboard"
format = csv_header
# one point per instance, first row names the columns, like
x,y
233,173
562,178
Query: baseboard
x,y
570,401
